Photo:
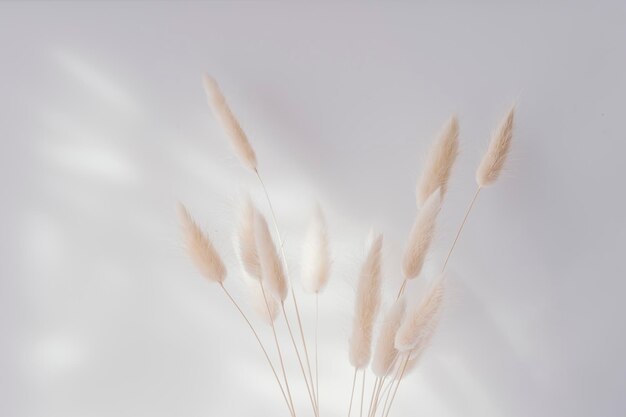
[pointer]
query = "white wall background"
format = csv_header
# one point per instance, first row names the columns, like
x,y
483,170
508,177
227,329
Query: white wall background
x,y
104,126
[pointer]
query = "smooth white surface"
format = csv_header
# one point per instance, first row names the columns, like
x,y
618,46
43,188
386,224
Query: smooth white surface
x,y
104,126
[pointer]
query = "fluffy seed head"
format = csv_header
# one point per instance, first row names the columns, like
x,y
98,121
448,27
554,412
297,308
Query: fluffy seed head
x,y
316,256
492,163
385,352
245,240
257,301
421,236
271,265
229,123
200,249
366,306
439,162
419,323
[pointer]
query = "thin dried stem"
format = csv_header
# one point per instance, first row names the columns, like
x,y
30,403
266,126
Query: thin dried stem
x,y
406,362
388,390
374,388
402,288
256,336
282,250
280,355
377,397
317,370
293,340
362,393
352,392
458,233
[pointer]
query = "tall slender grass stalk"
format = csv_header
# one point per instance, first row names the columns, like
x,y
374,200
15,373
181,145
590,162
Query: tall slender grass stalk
x,y
256,336
317,370
284,257
280,355
295,347
460,230
352,391
362,392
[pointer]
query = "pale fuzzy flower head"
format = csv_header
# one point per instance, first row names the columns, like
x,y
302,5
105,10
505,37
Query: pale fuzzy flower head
x,y
493,162
439,162
266,307
366,306
271,266
421,236
315,255
245,240
385,352
229,123
200,249
419,322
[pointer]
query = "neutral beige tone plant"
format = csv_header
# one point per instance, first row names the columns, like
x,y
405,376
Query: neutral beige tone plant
x,y
408,327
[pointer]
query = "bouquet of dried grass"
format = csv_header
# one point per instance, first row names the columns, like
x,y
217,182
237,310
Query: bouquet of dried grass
x,y
407,327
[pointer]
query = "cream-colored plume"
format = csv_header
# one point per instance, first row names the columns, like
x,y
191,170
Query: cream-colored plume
x,y
229,123
316,256
245,240
439,162
385,352
271,266
257,302
200,249
417,327
421,236
415,355
493,161
366,306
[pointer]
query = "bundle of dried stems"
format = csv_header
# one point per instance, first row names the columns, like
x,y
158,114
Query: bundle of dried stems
x,y
407,328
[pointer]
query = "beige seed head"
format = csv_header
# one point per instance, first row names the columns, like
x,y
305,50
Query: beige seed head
x,y
271,266
492,163
245,240
229,123
366,306
421,236
315,255
258,302
385,352
439,162
200,249
418,324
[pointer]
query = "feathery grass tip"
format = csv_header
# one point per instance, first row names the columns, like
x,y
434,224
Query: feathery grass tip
x,y
271,265
421,236
200,249
315,255
229,123
366,306
245,240
492,163
418,324
385,352
439,162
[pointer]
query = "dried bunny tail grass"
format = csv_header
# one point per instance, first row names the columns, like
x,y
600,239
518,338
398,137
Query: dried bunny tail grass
x,y
245,240
421,236
385,353
439,162
200,249
267,312
418,324
493,161
366,306
316,257
271,266
229,123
